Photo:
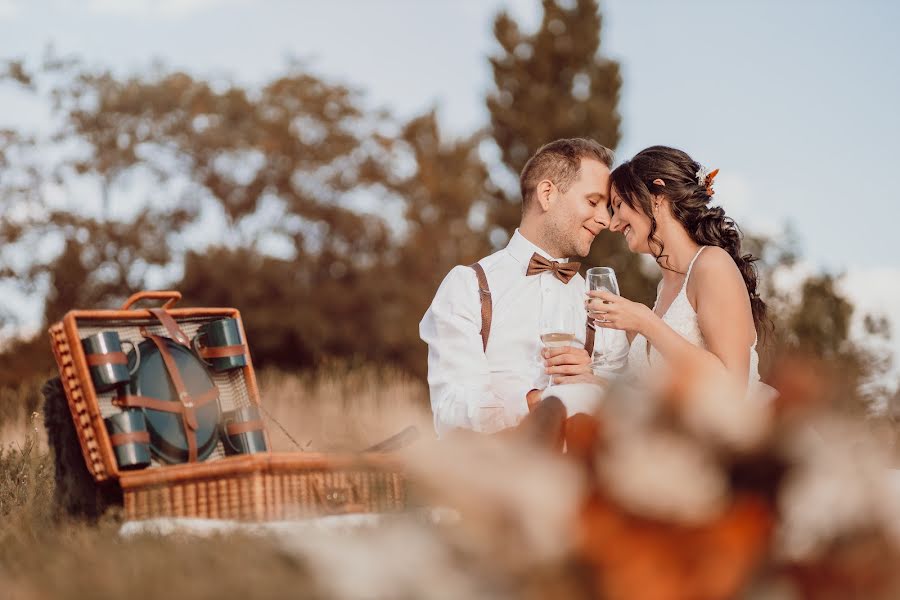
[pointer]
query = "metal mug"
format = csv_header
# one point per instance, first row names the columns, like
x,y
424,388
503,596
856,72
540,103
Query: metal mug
x,y
111,366
130,438
218,342
243,431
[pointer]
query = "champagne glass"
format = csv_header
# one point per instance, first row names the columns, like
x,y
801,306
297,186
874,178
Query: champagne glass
x,y
557,328
610,345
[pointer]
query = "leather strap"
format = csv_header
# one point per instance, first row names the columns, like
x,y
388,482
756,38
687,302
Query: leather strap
x,y
130,401
244,427
147,402
223,351
175,375
108,358
484,293
188,416
171,327
133,437
589,337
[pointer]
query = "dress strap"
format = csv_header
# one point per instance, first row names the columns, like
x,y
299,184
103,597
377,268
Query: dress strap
x,y
691,266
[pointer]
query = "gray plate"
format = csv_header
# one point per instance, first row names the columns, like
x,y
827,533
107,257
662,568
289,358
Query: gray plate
x,y
167,438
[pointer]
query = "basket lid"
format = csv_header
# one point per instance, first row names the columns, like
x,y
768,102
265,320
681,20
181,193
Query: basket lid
x,y
168,441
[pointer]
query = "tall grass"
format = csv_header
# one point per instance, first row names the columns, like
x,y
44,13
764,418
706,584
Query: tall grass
x,y
336,409
20,415
690,486
43,554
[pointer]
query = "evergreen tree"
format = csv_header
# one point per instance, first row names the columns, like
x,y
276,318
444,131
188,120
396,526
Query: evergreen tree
x,y
554,84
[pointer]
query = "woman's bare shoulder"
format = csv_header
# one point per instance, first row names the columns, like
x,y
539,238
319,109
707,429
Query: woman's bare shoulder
x,y
714,263
716,272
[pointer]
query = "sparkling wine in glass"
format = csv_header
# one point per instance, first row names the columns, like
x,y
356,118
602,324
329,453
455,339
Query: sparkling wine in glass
x,y
610,345
557,339
557,330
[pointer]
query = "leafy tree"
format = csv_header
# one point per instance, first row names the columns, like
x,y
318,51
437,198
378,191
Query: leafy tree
x,y
813,318
327,224
333,222
552,84
446,200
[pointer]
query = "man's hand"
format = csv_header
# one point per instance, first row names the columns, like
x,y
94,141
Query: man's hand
x,y
562,363
532,398
583,378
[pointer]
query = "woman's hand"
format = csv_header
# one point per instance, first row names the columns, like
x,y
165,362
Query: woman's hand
x,y
615,312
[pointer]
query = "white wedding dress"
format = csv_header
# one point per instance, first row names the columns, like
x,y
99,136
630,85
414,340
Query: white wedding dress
x,y
683,319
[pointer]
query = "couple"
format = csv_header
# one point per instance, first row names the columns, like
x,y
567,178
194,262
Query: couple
x,y
482,329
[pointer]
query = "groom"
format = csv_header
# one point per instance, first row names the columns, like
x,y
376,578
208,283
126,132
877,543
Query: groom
x,y
486,365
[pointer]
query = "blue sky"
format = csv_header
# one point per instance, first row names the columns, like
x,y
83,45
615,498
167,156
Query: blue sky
x,y
796,102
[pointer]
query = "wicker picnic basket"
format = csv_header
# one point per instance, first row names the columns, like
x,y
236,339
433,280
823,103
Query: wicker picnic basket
x,y
256,487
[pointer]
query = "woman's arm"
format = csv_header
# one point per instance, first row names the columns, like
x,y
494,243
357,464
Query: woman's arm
x,y
723,313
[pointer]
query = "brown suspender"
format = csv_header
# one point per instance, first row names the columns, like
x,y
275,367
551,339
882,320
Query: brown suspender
x,y
589,337
484,292
186,404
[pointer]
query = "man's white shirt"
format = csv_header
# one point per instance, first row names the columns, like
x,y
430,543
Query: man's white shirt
x,y
485,390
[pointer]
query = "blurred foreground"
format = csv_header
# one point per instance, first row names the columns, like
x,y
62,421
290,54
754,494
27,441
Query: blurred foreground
x,y
685,493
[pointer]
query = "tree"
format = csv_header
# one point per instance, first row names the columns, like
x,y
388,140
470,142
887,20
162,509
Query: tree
x,y
813,318
275,164
554,84
446,200
327,224
334,223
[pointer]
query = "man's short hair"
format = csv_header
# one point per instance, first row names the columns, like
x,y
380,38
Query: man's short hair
x,y
560,162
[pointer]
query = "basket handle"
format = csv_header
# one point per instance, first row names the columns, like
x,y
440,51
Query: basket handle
x,y
170,296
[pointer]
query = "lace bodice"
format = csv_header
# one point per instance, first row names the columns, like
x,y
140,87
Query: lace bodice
x,y
681,317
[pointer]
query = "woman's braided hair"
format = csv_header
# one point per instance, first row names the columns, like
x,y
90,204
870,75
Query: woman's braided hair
x,y
688,188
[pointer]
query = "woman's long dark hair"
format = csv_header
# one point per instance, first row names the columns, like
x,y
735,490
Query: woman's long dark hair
x,y
689,199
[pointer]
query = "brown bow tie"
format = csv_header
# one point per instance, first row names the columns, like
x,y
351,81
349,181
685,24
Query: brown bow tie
x,y
562,271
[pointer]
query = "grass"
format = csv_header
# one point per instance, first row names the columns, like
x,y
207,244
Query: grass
x,y
336,409
44,554
515,540
20,417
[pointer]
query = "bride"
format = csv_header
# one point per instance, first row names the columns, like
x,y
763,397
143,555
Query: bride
x,y
708,312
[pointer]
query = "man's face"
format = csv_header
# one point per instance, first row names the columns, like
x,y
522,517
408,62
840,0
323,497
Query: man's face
x,y
580,213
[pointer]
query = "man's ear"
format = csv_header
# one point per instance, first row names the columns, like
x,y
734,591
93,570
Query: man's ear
x,y
544,191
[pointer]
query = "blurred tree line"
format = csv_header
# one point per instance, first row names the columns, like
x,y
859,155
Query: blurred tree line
x,y
328,224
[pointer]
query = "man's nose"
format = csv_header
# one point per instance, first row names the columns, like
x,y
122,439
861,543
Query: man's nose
x,y
601,217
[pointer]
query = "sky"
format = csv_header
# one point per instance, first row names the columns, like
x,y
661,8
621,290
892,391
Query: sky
x,y
795,102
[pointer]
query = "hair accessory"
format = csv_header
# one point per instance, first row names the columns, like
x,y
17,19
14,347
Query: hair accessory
x,y
705,178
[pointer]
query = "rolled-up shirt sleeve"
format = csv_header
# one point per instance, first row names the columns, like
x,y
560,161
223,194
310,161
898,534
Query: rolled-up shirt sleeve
x,y
459,378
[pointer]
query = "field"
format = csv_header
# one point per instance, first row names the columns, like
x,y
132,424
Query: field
x,y
515,539
45,555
